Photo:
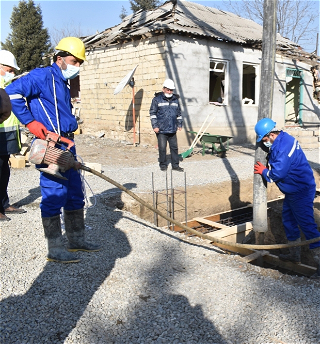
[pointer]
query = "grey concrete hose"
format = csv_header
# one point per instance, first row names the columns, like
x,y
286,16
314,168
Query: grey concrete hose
x,y
193,231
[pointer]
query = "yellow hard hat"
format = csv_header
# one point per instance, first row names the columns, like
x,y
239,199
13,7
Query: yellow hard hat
x,y
72,45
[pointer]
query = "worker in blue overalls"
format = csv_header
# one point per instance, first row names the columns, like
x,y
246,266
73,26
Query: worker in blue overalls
x,y
288,167
48,108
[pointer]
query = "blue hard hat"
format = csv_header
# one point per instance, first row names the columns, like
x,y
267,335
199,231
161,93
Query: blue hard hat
x,y
263,127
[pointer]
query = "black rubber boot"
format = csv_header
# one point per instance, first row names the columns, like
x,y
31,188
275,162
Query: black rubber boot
x,y
316,256
295,253
56,250
75,230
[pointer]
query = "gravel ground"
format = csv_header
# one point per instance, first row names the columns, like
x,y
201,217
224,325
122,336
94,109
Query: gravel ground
x,y
147,285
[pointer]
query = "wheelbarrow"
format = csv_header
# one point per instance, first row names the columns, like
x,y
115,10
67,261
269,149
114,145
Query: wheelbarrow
x,y
221,141
197,138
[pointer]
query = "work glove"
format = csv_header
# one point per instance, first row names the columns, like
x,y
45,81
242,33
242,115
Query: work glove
x,y
258,168
37,129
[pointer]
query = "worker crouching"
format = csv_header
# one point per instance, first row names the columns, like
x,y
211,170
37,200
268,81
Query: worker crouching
x,y
49,109
288,167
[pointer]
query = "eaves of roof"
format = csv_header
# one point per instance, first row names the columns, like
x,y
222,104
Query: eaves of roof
x,y
193,20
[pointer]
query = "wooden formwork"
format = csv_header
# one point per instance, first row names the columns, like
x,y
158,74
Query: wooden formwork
x,y
228,226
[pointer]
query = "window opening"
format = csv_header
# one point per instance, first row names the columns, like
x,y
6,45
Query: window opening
x,y
248,84
217,81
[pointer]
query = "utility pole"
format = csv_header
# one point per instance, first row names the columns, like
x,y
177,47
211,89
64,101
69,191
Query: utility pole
x,y
260,220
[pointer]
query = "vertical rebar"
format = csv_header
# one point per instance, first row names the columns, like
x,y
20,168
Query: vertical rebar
x,y
172,200
170,213
185,197
154,203
157,218
167,199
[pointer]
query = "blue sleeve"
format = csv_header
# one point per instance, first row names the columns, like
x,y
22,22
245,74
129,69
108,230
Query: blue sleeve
x,y
279,167
153,113
25,87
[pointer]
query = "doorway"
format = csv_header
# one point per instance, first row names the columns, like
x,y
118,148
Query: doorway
x,y
294,97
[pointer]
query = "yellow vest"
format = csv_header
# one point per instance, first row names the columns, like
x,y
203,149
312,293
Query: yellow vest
x,y
12,123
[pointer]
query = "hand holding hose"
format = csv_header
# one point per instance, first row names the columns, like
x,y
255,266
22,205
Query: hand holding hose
x,y
37,129
259,168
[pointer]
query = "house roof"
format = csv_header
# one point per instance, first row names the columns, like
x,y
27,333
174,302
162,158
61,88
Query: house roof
x,y
191,19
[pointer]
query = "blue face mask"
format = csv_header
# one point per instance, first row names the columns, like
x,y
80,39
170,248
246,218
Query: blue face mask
x,y
71,72
268,144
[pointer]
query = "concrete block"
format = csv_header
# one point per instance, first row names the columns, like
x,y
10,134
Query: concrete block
x,y
17,161
93,166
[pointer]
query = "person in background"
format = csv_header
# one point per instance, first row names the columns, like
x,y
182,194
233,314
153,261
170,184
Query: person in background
x,y
166,119
288,167
49,108
9,137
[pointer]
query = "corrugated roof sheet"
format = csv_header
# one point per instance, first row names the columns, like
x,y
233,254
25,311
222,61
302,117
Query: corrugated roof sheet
x,y
189,18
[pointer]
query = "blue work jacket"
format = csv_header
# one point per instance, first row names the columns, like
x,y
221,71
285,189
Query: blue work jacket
x,y
288,166
39,84
165,113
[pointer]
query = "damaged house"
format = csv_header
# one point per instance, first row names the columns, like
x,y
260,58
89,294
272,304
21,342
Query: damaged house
x,y
213,57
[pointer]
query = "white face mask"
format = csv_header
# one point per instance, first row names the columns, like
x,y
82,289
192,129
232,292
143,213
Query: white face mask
x,y
71,72
7,77
168,95
268,144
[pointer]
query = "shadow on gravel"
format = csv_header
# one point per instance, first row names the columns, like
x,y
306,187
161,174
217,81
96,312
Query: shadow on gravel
x,y
162,316
34,194
56,300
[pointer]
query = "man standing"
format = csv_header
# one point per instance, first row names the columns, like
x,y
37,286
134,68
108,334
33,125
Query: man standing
x,y
9,137
166,119
49,109
290,170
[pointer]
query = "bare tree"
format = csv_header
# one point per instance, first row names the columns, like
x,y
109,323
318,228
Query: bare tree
x,y
297,20
68,30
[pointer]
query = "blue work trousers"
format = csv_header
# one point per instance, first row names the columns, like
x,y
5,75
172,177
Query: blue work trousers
x,y
58,193
173,144
297,212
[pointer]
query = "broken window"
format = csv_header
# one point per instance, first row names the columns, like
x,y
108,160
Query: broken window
x,y
248,84
217,81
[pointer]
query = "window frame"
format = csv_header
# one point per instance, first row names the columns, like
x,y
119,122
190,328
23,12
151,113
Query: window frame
x,y
256,66
226,78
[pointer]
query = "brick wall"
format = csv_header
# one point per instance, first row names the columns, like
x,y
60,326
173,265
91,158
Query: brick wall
x,y
100,75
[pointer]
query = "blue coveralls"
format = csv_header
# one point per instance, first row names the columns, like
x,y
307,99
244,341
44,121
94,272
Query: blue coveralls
x,y
290,170
56,192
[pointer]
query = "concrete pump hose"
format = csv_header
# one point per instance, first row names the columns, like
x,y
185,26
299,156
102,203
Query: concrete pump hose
x,y
193,231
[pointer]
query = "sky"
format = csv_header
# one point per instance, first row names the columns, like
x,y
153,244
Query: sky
x,y
90,16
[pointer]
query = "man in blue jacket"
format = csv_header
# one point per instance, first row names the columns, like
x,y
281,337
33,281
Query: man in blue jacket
x,y
46,91
166,119
290,170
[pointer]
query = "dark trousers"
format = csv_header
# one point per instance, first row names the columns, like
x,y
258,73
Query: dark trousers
x,y
4,181
162,145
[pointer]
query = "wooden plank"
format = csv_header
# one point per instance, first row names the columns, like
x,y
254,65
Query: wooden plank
x,y
227,231
254,256
301,269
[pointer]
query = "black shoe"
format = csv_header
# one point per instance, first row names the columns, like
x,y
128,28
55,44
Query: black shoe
x,y
163,168
179,169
